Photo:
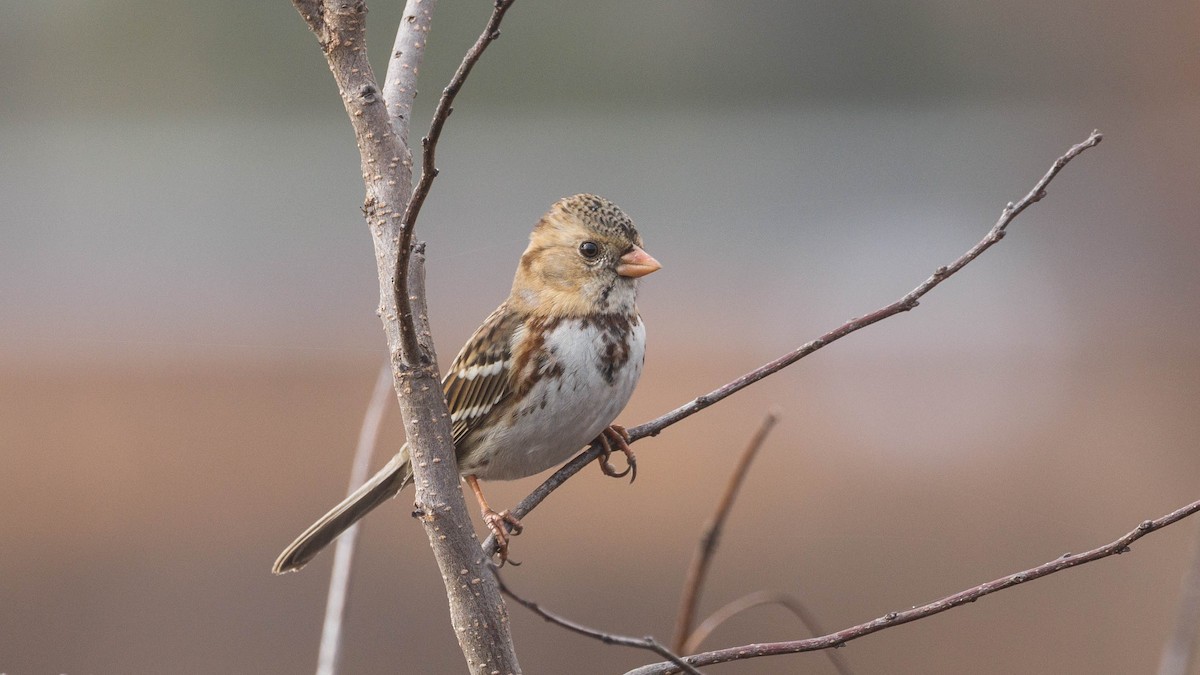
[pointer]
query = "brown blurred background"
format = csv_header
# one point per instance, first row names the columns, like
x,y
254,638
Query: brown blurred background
x,y
188,338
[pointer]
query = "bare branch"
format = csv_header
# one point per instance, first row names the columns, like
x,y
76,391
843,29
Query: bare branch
x,y
477,610
758,599
904,304
707,546
647,642
343,555
1065,561
429,169
340,27
1179,654
686,640
400,87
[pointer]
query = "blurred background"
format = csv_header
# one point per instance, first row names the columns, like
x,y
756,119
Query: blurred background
x,y
188,338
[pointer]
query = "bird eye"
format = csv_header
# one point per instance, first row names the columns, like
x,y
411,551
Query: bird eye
x,y
589,249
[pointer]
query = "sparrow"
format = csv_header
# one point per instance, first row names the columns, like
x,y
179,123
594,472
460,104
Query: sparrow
x,y
545,375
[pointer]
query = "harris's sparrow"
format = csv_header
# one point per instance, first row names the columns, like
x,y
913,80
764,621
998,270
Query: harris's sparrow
x,y
544,375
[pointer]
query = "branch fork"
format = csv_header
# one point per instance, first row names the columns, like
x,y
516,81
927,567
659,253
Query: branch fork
x,y
390,206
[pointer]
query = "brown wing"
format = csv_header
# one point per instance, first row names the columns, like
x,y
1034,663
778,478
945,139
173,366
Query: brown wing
x,y
479,378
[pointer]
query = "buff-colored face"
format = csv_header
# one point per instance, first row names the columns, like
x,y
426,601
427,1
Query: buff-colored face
x,y
584,256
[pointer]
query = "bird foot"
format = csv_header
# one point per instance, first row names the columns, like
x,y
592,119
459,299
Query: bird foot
x,y
496,522
616,436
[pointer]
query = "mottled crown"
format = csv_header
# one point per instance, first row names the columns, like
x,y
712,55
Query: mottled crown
x,y
600,214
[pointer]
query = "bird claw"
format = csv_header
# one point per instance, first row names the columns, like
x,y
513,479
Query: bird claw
x,y
497,522
616,435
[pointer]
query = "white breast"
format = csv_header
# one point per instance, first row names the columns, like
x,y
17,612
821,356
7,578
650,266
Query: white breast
x,y
563,414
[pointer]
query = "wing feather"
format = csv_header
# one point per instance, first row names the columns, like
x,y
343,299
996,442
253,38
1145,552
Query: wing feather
x,y
480,378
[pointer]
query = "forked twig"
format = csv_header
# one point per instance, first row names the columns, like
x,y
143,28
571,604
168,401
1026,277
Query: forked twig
x,y
758,599
477,613
904,304
429,169
707,546
1066,561
648,642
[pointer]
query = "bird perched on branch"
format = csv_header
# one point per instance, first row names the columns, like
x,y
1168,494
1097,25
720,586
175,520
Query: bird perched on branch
x,y
544,375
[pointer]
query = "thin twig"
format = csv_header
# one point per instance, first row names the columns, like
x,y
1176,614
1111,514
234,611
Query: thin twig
x,y
687,641
647,642
1063,562
758,599
330,652
1179,654
707,546
429,169
904,304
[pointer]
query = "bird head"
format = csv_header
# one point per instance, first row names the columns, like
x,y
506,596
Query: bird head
x,y
584,257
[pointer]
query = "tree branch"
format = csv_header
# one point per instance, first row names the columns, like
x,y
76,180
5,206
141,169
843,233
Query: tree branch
x,y
686,640
429,169
758,599
707,546
400,86
647,642
477,610
1066,561
904,304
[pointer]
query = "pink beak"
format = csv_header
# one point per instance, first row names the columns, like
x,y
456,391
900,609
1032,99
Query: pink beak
x,y
637,263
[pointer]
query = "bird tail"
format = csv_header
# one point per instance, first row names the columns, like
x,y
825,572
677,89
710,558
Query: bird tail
x,y
384,485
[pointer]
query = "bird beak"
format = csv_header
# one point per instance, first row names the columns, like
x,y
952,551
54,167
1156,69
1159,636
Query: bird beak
x,y
637,263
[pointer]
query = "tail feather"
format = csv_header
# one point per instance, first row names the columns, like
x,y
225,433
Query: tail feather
x,y
384,485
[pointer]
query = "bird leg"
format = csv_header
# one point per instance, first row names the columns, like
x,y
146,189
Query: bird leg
x,y
616,435
496,521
